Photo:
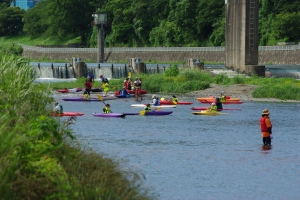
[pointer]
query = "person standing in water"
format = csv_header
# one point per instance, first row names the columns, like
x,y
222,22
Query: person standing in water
x,y
266,127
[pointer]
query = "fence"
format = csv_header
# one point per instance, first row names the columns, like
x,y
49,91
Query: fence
x,y
152,49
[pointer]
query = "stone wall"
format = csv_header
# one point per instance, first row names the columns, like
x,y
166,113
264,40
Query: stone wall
x,y
265,57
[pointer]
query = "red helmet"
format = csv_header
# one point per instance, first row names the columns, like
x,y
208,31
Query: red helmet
x,y
101,76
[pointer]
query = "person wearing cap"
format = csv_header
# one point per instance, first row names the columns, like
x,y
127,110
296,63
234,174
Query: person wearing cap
x,y
219,104
58,109
213,107
137,85
266,127
155,101
102,78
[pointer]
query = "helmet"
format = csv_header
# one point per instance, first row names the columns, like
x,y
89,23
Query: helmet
x,y
101,76
153,96
213,104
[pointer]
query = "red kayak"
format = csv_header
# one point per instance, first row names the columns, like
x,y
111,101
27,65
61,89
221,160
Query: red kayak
x,y
68,114
169,102
66,90
226,102
205,108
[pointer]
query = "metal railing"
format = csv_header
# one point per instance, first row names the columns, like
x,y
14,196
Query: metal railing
x,y
151,49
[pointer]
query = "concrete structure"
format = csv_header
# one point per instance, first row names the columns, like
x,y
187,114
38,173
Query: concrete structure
x,y
242,37
24,4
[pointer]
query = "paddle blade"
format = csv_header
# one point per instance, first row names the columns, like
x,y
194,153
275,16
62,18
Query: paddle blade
x,y
99,97
142,112
158,108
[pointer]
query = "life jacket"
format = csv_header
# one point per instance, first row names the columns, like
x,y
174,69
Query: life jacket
x,y
213,108
123,92
106,110
61,109
263,125
175,101
147,109
86,96
156,102
223,98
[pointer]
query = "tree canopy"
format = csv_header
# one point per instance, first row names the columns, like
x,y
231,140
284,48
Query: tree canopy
x,y
150,23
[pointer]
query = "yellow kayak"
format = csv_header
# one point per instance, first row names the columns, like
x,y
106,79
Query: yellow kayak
x,y
207,112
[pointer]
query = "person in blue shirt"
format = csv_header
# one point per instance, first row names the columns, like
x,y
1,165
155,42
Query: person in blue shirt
x,y
90,75
155,100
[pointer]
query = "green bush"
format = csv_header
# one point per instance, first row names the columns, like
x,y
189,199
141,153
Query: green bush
x,y
172,71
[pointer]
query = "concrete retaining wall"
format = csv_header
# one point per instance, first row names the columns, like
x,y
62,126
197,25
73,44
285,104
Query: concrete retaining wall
x,y
265,57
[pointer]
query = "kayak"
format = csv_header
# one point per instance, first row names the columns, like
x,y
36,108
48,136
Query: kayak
x,y
125,96
69,114
109,114
91,99
154,112
226,102
151,106
207,112
169,102
205,108
213,99
96,90
70,90
131,92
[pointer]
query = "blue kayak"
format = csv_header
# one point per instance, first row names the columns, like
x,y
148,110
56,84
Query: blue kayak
x,y
125,95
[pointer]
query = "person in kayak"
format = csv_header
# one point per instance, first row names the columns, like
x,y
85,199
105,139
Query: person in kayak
x,y
266,127
58,109
223,96
147,108
175,100
123,92
155,101
213,107
106,108
219,104
105,87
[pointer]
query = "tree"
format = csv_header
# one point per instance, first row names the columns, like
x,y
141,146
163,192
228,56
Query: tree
x,y
11,21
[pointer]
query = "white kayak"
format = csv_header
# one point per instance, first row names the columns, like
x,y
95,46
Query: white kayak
x,y
151,106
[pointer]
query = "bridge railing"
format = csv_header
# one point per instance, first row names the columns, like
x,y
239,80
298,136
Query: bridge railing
x,y
152,49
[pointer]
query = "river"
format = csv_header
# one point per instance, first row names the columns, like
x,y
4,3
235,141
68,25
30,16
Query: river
x,y
186,157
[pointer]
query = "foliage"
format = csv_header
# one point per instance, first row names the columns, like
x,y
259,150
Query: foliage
x,y
172,71
11,21
39,156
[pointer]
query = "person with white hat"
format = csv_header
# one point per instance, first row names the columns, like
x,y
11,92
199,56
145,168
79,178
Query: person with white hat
x,y
155,101
266,127
58,109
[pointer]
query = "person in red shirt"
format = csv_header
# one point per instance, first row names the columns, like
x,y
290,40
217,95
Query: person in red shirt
x,y
88,85
266,127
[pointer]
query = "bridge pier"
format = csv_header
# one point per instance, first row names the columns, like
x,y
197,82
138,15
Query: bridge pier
x,y
242,37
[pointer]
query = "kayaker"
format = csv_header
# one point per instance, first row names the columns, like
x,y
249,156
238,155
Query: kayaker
x,y
213,107
223,97
88,85
123,92
219,104
175,100
127,83
58,109
266,127
155,100
147,108
86,95
106,109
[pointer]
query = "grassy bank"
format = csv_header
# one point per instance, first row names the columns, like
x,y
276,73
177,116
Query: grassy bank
x,y
40,157
187,80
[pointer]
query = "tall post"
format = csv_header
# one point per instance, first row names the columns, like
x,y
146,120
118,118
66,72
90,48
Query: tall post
x,y
100,54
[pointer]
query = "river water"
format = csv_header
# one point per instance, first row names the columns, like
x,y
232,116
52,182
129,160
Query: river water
x,y
186,156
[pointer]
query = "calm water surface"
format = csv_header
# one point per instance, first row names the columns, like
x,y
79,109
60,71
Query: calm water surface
x,y
185,156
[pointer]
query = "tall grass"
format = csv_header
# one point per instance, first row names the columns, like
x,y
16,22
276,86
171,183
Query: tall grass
x,y
40,157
